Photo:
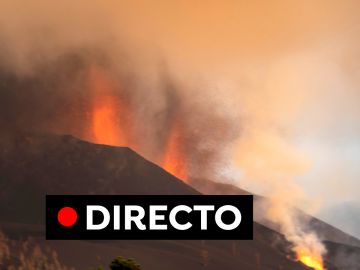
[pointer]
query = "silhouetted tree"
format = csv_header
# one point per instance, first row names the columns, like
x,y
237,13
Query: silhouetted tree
x,y
120,263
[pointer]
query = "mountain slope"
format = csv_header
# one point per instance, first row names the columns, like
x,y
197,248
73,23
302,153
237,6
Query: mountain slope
x,y
34,165
324,230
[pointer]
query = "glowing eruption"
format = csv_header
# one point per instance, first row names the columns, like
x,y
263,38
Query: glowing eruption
x,y
104,126
111,123
314,261
110,115
174,157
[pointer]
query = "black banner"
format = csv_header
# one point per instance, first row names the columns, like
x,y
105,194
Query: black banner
x,y
103,217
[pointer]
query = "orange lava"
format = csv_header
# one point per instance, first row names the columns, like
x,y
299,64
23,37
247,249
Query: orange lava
x,y
310,260
174,160
111,123
110,115
104,118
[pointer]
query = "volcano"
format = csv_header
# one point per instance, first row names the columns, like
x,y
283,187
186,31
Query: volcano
x,y
32,165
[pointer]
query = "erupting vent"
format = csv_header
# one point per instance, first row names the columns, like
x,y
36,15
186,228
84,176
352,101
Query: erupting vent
x,y
110,115
312,260
174,157
111,123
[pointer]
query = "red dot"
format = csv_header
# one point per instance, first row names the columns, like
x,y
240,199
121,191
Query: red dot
x,y
67,216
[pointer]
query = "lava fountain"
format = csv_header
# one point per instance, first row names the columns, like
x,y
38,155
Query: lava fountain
x,y
306,257
110,114
104,118
111,122
174,160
